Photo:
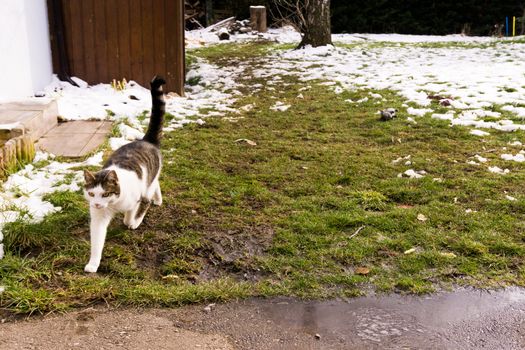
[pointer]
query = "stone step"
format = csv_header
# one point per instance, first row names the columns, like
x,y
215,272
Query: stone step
x,y
34,118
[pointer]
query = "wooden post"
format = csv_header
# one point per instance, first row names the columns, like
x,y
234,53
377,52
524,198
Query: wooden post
x,y
258,18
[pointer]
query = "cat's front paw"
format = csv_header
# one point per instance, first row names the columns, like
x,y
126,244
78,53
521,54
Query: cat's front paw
x,y
91,268
157,202
133,225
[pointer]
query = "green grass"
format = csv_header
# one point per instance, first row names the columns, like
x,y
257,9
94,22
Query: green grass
x,y
280,218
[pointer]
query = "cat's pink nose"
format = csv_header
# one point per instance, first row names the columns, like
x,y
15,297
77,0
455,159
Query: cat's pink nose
x,y
98,206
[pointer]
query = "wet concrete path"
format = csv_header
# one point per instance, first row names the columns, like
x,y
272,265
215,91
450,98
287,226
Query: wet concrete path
x,y
465,319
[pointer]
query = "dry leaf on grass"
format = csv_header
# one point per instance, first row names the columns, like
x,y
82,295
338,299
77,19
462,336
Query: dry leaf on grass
x,y
250,142
362,270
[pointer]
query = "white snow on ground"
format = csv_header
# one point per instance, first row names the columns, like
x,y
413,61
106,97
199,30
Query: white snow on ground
x,y
404,38
520,158
279,106
419,112
519,111
474,75
498,170
104,102
479,133
202,37
480,158
413,174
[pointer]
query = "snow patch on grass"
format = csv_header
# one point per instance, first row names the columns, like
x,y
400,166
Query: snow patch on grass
x,y
419,112
479,133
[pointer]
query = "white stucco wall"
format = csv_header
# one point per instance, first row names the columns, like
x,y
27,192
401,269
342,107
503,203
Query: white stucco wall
x,y
25,53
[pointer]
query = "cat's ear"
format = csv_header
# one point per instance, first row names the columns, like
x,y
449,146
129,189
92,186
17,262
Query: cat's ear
x,y
111,177
89,177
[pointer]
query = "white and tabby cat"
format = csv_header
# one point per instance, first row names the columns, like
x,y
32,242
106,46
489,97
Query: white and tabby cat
x,y
128,181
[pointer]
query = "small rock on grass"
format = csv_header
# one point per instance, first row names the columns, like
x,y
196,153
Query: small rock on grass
x,y
421,217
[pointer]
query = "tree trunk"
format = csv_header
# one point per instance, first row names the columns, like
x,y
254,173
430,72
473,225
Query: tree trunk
x,y
317,30
208,10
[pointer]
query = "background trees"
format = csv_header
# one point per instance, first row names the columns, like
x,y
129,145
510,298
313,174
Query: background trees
x,y
400,16
422,16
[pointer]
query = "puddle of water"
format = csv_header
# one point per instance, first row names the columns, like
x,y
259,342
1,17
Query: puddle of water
x,y
376,319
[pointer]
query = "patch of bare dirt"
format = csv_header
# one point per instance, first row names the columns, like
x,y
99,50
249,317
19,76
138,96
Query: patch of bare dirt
x,y
103,329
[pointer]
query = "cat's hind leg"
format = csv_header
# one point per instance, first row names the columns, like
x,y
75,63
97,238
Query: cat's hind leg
x,y
157,195
137,215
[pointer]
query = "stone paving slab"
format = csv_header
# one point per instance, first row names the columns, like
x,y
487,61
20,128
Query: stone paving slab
x,y
75,139
80,127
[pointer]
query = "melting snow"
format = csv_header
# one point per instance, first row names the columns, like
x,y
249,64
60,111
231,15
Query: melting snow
x,y
517,158
480,158
479,132
419,111
279,106
497,170
410,173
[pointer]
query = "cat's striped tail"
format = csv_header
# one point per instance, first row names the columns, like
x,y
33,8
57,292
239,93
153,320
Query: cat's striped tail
x,y
153,134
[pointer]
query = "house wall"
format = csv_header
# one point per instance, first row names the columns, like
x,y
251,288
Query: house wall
x,y
25,53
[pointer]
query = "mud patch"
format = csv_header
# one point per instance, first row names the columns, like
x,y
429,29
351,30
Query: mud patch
x,y
233,252
182,244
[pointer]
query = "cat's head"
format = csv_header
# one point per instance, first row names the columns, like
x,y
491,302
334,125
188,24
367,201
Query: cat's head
x,y
102,188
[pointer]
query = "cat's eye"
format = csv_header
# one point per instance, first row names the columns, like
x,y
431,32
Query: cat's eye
x,y
91,194
105,195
